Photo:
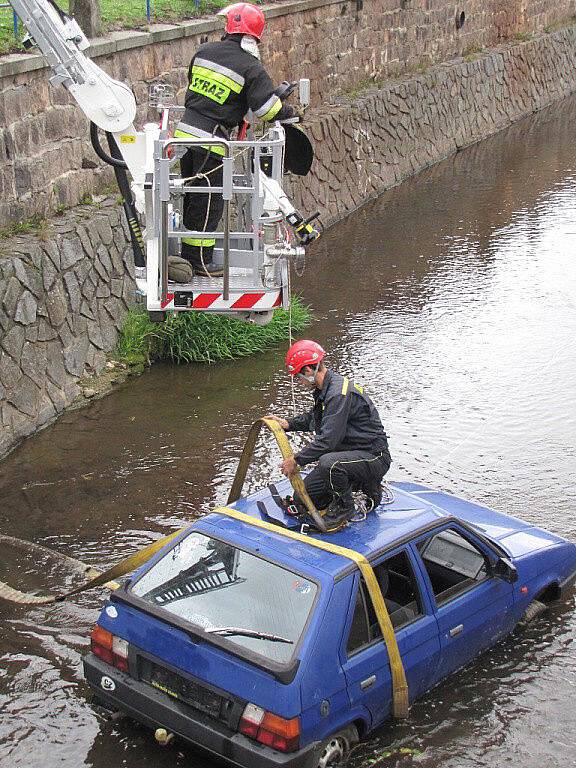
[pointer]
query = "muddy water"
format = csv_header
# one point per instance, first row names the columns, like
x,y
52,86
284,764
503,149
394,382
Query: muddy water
x,y
453,298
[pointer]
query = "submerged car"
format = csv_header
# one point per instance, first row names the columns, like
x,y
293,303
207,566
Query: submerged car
x,y
267,651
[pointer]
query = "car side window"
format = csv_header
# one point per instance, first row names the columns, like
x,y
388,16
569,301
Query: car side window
x,y
359,631
399,587
454,564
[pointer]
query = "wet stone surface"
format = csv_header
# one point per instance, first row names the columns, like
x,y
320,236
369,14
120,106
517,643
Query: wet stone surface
x,y
452,299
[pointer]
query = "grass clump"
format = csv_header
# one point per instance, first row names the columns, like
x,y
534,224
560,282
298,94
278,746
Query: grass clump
x,y
523,37
202,337
36,225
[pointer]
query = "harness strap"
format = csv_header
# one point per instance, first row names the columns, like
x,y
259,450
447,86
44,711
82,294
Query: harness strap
x,y
346,385
286,451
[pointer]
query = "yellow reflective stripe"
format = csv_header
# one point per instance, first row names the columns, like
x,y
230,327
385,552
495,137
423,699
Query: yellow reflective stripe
x,y
399,683
273,111
199,242
346,384
178,134
217,77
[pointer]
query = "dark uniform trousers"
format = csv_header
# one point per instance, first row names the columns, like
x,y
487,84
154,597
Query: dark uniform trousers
x,y
226,79
202,212
337,474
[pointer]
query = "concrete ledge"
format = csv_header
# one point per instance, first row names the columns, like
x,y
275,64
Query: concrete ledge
x,y
124,39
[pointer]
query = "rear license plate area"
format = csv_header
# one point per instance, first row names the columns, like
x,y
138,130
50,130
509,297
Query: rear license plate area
x,y
183,689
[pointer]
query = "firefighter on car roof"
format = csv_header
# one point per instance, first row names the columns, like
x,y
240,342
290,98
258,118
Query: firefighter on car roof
x,y
350,446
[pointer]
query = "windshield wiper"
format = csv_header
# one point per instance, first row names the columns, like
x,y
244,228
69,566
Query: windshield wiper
x,y
228,631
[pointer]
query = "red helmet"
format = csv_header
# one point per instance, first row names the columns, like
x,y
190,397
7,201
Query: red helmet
x,y
303,352
243,19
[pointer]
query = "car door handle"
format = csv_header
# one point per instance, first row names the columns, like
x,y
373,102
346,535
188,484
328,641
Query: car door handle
x,y
456,630
368,683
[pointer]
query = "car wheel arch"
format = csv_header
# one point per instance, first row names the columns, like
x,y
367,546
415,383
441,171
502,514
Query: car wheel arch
x,y
362,727
549,593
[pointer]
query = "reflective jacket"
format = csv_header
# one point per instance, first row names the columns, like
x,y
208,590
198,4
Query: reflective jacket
x,y
344,419
226,80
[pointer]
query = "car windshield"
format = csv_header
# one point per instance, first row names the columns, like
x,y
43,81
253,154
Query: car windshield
x,y
216,586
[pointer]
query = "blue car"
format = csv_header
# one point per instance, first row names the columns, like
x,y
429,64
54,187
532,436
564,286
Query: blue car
x,y
265,650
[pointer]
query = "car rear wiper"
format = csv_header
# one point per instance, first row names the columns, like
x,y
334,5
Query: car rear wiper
x,y
228,631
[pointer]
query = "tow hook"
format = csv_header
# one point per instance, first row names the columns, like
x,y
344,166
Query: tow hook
x,y
163,737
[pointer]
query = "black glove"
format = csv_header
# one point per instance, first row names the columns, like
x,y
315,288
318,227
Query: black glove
x,y
284,90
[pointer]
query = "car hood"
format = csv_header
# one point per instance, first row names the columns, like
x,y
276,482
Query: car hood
x,y
515,536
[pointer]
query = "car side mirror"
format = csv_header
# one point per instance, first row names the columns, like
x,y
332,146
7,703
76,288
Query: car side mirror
x,y
506,570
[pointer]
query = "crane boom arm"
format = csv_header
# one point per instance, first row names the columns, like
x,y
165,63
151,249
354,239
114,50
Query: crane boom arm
x,y
105,101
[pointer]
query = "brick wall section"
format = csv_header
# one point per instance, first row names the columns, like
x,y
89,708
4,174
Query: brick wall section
x,y
63,298
45,155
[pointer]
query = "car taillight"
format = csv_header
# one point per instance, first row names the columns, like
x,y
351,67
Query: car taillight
x,y
270,729
111,649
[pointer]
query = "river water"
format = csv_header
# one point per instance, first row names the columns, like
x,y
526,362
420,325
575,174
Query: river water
x,y
453,298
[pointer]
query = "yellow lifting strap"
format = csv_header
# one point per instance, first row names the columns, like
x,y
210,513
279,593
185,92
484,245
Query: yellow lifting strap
x,y
286,451
399,684
131,563
96,578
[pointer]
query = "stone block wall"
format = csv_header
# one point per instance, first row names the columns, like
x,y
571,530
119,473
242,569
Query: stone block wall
x,y
46,160
63,298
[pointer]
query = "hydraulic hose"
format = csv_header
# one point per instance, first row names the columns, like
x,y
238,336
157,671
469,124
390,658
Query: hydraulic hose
x,y
115,162
136,238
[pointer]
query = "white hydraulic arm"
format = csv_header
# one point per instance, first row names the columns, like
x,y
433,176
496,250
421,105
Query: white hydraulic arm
x,y
108,103
275,199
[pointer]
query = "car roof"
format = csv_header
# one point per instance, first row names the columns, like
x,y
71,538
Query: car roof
x,y
406,514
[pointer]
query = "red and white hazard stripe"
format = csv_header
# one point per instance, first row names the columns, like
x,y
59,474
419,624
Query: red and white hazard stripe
x,y
257,301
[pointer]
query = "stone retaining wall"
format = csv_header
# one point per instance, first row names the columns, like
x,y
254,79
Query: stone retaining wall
x,y
63,296
46,160
387,134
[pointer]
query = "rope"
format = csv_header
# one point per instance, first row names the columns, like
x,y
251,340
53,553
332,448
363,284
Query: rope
x,y
290,338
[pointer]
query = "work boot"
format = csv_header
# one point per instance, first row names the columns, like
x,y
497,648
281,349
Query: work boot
x,y
207,269
338,513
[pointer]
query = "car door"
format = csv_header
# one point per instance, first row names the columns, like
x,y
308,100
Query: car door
x,y
363,652
473,606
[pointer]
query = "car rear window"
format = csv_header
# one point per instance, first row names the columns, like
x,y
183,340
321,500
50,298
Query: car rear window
x,y
225,590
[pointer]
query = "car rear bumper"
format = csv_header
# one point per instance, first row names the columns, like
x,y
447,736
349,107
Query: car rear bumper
x,y
156,710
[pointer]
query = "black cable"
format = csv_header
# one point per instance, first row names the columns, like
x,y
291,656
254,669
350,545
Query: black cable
x,y
94,138
136,238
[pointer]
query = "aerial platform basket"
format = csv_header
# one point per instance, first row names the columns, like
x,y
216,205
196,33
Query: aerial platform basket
x,y
254,246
